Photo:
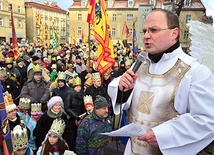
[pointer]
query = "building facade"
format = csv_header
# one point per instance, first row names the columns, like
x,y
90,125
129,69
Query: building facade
x,y
134,11
52,17
18,9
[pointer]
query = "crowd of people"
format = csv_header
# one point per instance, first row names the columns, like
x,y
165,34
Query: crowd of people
x,y
57,101
63,84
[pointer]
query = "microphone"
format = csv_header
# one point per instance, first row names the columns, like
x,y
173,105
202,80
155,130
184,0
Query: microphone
x,y
141,57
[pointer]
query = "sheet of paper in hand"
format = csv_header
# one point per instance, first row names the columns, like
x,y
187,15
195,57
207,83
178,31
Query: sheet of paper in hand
x,y
130,130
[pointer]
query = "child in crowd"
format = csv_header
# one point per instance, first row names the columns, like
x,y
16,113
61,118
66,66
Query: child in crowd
x,y
19,138
54,143
54,73
89,106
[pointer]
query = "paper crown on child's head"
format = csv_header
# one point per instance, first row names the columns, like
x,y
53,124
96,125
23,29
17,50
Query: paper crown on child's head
x,y
19,138
3,72
77,81
57,127
36,109
37,69
61,75
88,82
54,66
24,103
96,76
9,104
9,60
88,100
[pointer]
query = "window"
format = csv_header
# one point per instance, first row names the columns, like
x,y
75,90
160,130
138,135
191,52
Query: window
x,y
19,9
83,3
9,7
79,30
0,5
187,3
113,31
10,23
1,22
38,31
186,35
79,17
130,3
114,18
188,18
129,18
130,32
110,3
19,23
152,2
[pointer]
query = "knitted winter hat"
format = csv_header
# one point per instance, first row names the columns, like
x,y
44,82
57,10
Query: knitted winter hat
x,y
34,58
53,101
19,60
26,57
100,102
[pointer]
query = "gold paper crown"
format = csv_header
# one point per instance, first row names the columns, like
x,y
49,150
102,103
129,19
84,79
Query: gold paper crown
x,y
77,81
24,103
9,60
1,55
36,108
19,138
57,127
96,76
61,75
8,100
87,99
88,82
37,68
54,66
3,72
69,65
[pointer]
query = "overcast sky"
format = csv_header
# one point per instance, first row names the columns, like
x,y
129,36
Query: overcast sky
x,y
65,4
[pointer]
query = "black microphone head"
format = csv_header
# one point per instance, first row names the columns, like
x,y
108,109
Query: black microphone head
x,y
142,56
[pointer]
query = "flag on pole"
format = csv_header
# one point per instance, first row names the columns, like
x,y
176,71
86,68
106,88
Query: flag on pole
x,y
41,29
5,135
83,37
134,40
126,30
54,40
105,59
14,38
74,38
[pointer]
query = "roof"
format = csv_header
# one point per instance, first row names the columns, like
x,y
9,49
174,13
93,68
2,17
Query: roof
x,y
51,7
195,4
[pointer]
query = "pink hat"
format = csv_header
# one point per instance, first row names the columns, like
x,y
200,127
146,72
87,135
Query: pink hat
x,y
53,101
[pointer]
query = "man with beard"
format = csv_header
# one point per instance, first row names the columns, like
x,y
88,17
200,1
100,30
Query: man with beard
x,y
36,89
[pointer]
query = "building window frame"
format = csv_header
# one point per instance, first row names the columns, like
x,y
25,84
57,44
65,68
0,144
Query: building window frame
x,y
188,18
79,31
129,18
19,9
79,17
110,3
19,23
113,32
186,35
10,23
1,22
187,3
130,3
114,17
0,5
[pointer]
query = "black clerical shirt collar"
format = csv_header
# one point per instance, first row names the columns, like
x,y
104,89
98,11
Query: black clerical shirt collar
x,y
155,58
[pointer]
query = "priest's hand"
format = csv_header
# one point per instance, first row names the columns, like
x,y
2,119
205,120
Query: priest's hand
x,y
150,138
127,80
